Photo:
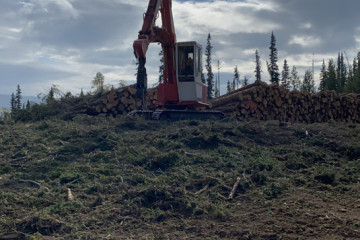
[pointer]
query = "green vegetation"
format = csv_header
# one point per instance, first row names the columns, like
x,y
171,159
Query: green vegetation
x,y
137,179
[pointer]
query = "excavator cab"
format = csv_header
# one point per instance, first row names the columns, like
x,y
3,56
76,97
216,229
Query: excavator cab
x,y
189,71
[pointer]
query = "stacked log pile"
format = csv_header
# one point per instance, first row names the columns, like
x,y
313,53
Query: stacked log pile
x,y
118,102
255,101
271,102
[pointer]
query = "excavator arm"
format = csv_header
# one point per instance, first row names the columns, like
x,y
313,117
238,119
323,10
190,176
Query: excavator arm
x,y
164,35
177,95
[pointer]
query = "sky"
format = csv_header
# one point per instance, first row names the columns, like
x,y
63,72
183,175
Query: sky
x,y
66,42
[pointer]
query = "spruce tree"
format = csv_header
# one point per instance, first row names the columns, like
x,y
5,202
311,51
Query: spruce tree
x,y
273,68
50,98
245,81
341,73
210,75
285,76
257,67
331,80
323,77
353,78
295,79
18,98
357,75
349,87
228,87
236,80
28,105
13,103
308,84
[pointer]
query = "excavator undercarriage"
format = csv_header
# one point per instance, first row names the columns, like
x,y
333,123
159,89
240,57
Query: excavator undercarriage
x,y
175,115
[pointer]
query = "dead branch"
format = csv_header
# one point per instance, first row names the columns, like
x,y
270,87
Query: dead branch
x,y
232,193
9,236
202,190
221,183
35,183
221,196
190,154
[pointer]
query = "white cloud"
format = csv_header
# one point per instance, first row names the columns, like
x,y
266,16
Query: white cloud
x,y
305,41
222,17
306,25
52,6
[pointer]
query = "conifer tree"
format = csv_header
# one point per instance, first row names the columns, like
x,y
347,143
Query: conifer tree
x,y
331,80
285,76
273,68
228,87
236,80
357,74
245,81
308,84
28,105
13,103
50,98
210,75
323,77
257,67
295,79
341,73
349,87
18,98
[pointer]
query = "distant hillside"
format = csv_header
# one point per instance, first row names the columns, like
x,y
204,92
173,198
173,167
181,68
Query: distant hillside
x,y
5,100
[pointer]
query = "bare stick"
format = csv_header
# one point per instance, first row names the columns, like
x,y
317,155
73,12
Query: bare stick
x,y
35,183
202,190
232,193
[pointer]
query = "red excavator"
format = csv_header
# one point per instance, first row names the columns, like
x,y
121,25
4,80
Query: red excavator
x,y
182,92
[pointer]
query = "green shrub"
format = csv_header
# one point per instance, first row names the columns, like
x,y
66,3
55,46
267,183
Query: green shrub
x,y
68,177
63,208
326,178
165,161
273,190
6,169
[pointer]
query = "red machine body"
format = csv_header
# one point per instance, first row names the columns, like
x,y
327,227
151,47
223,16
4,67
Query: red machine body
x,y
172,92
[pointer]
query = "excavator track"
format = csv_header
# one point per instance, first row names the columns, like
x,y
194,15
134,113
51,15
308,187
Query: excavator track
x,y
176,115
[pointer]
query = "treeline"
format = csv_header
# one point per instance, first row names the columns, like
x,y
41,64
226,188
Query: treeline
x,y
54,102
338,76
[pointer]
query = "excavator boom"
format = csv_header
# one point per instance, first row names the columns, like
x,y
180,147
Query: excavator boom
x,y
181,87
165,35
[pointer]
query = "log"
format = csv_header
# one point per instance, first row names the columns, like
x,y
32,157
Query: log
x,y
232,193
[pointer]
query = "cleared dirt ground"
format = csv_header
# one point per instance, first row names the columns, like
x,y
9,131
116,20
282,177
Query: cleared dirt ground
x,y
137,179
